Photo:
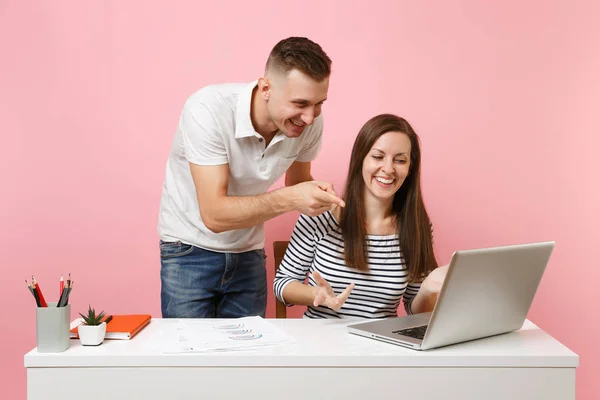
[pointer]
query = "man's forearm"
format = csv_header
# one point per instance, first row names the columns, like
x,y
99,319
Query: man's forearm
x,y
239,212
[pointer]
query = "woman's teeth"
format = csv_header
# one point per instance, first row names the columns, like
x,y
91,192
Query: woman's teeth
x,y
384,181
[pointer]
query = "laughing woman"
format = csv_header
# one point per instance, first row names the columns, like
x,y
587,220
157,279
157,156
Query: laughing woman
x,y
362,260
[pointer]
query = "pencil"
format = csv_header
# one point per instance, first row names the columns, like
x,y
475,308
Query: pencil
x,y
69,292
64,296
32,293
28,286
39,291
61,299
36,295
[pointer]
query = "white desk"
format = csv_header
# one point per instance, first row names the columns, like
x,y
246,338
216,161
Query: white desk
x,y
326,363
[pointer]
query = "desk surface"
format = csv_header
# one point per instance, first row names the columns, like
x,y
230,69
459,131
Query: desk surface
x,y
320,343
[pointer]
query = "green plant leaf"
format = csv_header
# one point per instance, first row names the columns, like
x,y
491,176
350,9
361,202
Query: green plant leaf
x,y
91,318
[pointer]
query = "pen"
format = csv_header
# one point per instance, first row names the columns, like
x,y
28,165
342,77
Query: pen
x,y
61,286
38,289
107,319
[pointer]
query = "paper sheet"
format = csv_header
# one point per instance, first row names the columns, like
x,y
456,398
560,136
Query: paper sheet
x,y
225,335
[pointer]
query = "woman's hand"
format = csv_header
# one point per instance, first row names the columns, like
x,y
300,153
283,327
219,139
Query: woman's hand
x,y
324,294
434,281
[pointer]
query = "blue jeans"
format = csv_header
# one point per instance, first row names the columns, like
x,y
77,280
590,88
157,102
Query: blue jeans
x,y
198,283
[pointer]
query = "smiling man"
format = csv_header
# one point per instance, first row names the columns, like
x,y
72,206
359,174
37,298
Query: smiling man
x,y
232,143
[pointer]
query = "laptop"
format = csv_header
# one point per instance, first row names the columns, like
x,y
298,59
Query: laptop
x,y
486,292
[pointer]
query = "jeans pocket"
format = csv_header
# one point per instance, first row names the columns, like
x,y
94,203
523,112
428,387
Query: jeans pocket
x,y
174,249
261,252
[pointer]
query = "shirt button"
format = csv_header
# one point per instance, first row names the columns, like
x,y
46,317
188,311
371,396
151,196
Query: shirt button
x,y
260,140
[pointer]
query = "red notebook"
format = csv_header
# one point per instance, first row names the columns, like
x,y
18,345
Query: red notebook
x,y
122,326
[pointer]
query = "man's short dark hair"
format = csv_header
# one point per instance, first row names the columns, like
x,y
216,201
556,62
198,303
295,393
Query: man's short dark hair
x,y
302,54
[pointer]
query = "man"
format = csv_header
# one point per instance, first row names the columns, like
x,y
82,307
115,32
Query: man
x,y
232,143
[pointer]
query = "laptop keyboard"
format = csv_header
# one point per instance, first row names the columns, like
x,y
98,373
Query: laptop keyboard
x,y
417,332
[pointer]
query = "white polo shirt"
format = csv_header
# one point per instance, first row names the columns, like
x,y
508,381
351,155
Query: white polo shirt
x,y
215,128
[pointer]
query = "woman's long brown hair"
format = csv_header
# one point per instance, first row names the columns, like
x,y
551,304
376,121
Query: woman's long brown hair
x,y
413,223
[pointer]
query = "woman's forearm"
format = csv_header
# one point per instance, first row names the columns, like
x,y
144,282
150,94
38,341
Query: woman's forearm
x,y
299,293
424,301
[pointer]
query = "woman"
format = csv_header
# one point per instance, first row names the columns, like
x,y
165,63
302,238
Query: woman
x,y
378,249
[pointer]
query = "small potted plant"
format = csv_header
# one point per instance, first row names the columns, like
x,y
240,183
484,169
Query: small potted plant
x,y
93,329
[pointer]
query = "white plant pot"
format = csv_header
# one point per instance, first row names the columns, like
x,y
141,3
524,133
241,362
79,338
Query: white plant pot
x,y
92,335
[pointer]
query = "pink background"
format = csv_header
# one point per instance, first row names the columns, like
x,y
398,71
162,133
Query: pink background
x,y
502,95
